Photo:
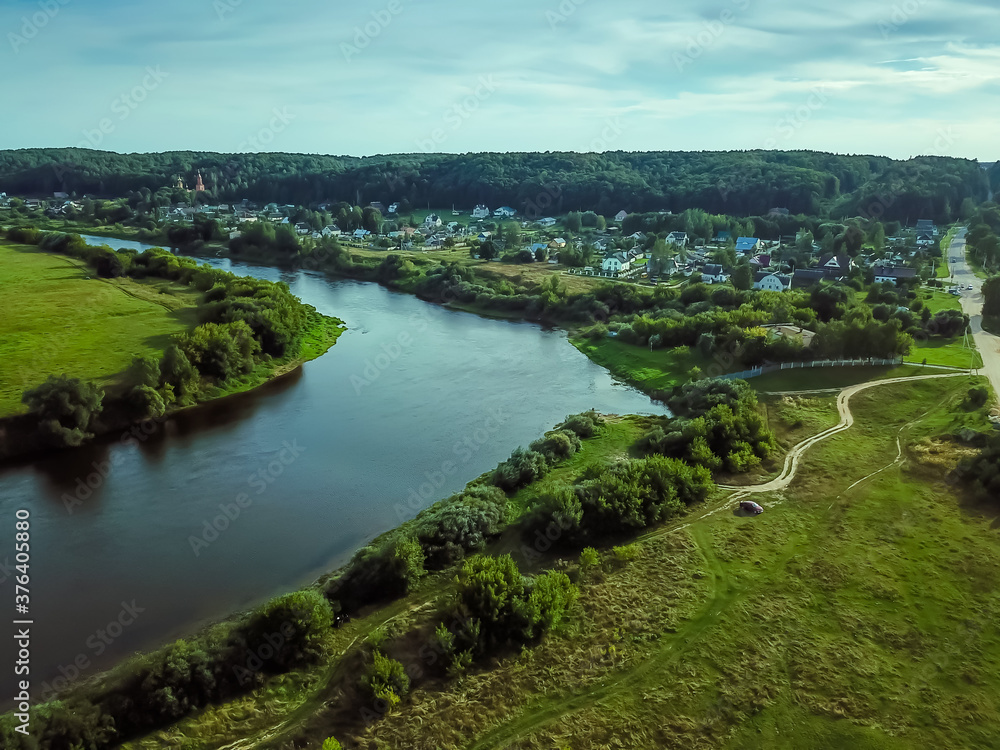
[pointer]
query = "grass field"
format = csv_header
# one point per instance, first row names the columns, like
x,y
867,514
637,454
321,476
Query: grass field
x,y
660,369
56,318
857,612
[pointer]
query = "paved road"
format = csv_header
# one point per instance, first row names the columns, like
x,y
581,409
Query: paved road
x,y
972,305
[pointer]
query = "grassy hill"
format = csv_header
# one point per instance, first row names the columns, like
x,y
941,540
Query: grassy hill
x,y
857,612
57,317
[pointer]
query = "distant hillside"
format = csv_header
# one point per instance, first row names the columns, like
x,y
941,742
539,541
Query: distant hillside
x,y
739,182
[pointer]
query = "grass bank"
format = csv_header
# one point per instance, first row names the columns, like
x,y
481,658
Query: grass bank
x,y
57,317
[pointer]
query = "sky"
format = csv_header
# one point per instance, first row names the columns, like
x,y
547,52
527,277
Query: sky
x,y
891,77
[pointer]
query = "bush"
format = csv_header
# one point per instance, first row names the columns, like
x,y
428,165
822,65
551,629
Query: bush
x,y
331,744
557,446
64,408
521,469
461,524
299,620
978,397
583,425
385,680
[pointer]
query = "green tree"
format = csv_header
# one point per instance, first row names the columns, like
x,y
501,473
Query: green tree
x,y
64,408
742,277
991,295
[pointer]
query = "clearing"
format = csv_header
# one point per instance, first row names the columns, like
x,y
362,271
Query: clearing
x,y
56,317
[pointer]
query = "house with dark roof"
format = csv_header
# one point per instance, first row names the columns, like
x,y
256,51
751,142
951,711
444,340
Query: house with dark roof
x,y
761,261
678,238
807,277
723,237
713,273
834,266
892,274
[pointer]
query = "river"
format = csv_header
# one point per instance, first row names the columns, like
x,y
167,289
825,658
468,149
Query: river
x,y
413,402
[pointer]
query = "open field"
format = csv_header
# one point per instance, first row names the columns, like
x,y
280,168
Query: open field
x,y
855,613
660,369
57,318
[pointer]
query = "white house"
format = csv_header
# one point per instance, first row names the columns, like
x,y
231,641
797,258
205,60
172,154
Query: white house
x,y
893,274
616,263
713,274
302,228
393,208
481,212
483,236
504,212
678,238
432,222
331,231
547,222
621,216
771,282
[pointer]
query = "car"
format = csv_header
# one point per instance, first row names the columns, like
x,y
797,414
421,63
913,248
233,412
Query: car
x,y
751,507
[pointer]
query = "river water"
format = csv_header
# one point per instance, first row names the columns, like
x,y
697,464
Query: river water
x,y
413,402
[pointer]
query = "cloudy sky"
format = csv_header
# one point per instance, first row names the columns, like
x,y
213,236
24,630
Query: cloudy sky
x,y
894,77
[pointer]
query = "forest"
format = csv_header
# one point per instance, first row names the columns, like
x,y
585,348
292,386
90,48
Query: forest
x,y
743,183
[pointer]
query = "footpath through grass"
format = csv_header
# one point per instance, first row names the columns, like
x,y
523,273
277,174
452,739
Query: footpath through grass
x,y
57,317
857,612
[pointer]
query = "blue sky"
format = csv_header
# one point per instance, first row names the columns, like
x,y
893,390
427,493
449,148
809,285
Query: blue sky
x,y
897,77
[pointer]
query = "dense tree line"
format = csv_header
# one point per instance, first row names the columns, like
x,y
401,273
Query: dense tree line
x,y
743,183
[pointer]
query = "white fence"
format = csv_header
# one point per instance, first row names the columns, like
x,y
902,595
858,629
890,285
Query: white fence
x,y
758,371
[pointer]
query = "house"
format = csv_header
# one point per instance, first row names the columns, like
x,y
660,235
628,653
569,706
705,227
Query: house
x,y
432,222
621,216
331,231
60,195
714,274
360,234
771,282
538,246
748,245
723,237
547,222
835,266
616,263
761,261
504,212
925,239
453,226
481,212
302,228
601,246
807,277
393,208
926,226
678,238
234,234
483,236
558,242
638,237
893,274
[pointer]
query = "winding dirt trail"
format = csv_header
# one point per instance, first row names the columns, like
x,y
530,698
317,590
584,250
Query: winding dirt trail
x,y
721,596
791,466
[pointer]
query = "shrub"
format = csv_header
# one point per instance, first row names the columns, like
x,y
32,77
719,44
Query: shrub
x,y
583,425
331,744
978,397
65,408
590,560
299,621
550,596
461,524
385,680
521,469
557,446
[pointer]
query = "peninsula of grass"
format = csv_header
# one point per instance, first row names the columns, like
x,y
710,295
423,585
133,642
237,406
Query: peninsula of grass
x,y
57,317
648,370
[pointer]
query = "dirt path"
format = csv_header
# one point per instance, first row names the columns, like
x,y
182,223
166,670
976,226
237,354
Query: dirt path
x,y
721,593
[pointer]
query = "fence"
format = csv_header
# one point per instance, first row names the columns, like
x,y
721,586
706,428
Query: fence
x,y
758,371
